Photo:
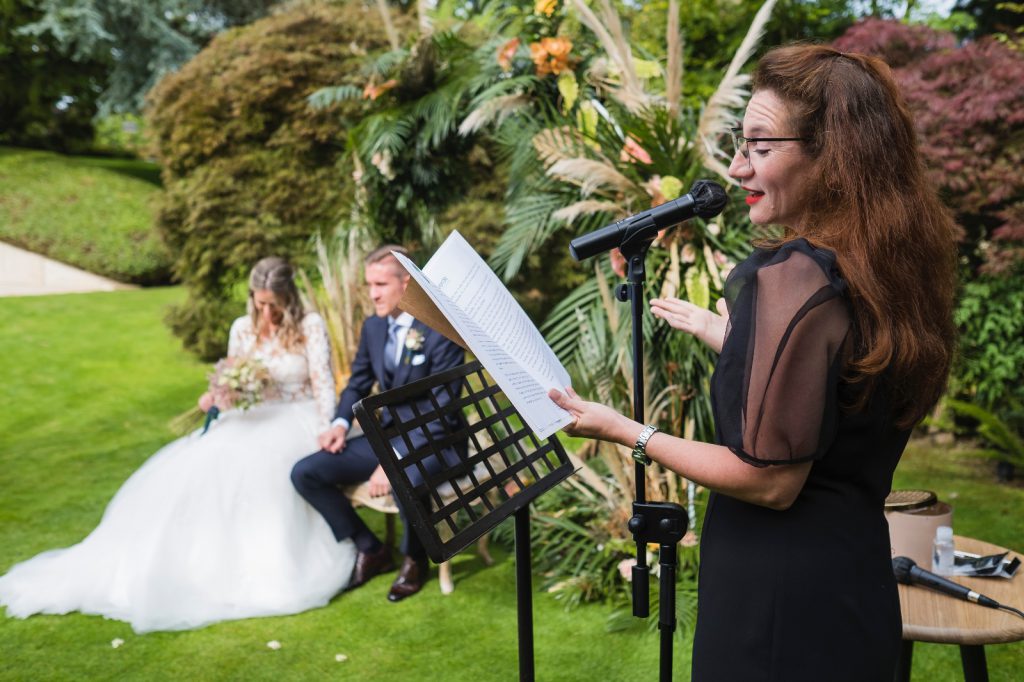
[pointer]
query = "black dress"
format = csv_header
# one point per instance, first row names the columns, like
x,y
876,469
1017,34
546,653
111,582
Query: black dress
x,y
807,593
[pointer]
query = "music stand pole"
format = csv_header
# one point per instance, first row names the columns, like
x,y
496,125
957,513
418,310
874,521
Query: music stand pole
x,y
524,594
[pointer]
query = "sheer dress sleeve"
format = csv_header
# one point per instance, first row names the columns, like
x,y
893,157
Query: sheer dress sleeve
x,y
318,359
776,384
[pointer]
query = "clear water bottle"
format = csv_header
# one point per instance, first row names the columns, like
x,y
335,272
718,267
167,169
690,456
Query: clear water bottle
x,y
942,554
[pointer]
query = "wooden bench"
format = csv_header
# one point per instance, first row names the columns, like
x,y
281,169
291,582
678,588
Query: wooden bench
x,y
359,495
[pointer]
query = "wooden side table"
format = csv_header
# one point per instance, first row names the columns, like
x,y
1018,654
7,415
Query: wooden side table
x,y
930,616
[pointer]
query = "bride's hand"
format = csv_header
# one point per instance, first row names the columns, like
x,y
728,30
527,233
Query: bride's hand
x,y
379,483
206,401
593,420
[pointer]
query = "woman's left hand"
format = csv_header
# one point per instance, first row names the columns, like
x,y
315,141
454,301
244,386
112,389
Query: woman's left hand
x,y
592,420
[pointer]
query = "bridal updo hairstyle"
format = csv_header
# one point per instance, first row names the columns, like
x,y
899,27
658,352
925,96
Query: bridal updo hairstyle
x,y
275,275
873,206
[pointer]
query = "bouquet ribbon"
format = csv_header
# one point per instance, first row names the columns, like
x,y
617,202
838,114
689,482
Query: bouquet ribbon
x,y
211,416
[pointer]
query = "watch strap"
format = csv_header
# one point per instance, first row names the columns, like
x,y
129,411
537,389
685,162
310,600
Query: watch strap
x,y
640,449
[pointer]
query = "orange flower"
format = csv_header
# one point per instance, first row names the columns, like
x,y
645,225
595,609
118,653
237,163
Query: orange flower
x,y
506,53
551,55
633,152
618,262
372,91
545,7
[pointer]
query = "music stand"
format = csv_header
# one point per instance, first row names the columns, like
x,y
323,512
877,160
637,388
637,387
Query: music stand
x,y
466,492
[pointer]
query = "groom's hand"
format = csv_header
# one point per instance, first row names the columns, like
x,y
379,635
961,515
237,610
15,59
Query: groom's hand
x,y
379,483
333,439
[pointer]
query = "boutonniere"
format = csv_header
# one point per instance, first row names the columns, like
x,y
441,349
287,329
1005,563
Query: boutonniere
x,y
413,340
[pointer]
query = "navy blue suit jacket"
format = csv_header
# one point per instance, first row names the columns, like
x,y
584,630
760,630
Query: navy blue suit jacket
x,y
435,355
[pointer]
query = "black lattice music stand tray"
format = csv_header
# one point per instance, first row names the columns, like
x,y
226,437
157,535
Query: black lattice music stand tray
x,y
472,462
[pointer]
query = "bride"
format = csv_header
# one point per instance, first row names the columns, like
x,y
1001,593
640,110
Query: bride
x,y
210,527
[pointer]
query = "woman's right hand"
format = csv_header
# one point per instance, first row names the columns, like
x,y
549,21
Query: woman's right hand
x,y
700,322
594,420
206,401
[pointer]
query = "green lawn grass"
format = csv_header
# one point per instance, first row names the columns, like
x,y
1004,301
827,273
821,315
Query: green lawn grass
x,y
90,382
91,212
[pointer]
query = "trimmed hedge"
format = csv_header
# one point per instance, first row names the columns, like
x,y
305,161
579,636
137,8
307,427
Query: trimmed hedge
x,y
250,169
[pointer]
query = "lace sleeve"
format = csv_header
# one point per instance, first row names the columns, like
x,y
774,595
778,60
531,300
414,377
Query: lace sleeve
x,y
776,389
318,358
239,342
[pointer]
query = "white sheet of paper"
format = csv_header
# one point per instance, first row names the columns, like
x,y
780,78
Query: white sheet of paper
x,y
497,330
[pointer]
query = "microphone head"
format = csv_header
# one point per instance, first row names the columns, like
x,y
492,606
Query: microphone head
x,y
708,198
901,567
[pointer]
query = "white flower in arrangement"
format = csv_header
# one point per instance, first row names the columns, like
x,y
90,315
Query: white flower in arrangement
x,y
340,658
274,644
116,642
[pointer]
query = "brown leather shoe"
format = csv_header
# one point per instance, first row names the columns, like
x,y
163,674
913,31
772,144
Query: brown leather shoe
x,y
411,577
371,564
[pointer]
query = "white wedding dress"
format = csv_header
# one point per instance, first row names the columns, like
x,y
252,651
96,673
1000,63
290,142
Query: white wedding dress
x,y
210,527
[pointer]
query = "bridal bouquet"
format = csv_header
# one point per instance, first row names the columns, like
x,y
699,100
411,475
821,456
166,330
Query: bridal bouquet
x,y
239,383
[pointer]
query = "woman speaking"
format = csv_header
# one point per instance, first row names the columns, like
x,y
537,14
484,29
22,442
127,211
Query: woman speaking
x,y
835,340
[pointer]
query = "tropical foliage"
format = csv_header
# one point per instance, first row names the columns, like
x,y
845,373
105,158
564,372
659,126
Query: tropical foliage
x,y
585,133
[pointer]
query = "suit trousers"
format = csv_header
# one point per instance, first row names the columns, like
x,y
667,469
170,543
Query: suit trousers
x,y
319,476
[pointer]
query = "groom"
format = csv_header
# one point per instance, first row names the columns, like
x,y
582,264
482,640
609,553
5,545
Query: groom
x,y
394,349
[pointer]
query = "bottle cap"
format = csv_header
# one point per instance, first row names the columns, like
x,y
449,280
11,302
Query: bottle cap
x,y
944,533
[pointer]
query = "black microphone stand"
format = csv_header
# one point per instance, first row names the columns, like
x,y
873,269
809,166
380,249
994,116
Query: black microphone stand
x,y
661,522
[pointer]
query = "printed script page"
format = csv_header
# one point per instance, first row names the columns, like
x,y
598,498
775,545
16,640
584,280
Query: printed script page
x,y
495,328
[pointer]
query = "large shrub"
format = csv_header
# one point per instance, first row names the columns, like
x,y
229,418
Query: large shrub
x,y
969,107
250,169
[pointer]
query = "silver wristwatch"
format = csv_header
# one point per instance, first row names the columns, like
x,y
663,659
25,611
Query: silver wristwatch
x,y
640,449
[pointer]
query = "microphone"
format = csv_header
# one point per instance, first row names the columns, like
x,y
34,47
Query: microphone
x,y
706,199
909,573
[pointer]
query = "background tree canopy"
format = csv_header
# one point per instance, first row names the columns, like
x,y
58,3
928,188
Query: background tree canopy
x,y
249,168
47,99
138,41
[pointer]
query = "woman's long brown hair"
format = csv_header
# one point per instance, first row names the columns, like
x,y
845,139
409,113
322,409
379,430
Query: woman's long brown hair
x,y
873,206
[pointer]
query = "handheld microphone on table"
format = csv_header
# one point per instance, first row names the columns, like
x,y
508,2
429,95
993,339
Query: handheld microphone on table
x,y
706,199
908,572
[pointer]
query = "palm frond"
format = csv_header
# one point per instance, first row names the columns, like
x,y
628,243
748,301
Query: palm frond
x,y
588,207
719,112
608,29
590,175
494,111
529,223
328,97
557,144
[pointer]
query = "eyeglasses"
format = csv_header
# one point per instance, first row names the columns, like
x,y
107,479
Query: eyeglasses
x,y
742,144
